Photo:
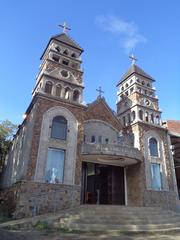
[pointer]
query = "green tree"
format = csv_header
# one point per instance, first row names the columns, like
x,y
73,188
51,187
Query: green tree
x,y
7,130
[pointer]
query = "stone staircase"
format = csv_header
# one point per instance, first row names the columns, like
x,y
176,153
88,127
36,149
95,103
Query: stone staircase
x,y
108,218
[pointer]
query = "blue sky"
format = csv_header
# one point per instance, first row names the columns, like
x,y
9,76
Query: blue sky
x,y
107,30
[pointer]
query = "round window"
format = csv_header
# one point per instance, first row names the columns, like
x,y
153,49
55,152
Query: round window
x,y
64,73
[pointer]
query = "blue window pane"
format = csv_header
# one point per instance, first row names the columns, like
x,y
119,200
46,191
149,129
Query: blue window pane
x,y
156,176
55,166
93,139
59,128
153,147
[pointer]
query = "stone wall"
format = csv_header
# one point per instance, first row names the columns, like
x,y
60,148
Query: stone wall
x,y
26,199
164,199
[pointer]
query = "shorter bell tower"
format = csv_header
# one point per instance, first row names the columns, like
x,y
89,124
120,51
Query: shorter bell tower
x,y
136,97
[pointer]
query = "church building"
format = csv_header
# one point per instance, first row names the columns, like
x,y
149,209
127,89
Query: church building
x,y
66,153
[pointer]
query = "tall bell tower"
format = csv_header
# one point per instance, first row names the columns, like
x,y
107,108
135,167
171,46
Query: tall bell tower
x,y
60,74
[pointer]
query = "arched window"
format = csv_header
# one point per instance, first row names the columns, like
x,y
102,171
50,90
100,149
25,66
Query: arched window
x,y
152,118
76,96
129,118
127,85
133,115
139,89
67,93
57,48
147,116
59,128
73,55
66,52
142,82
140,114
55,58
58,90
157,120
48,87
153,147
64,73
93,139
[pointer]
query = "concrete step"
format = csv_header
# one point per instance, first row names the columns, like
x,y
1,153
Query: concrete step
x,y
123,228
121,222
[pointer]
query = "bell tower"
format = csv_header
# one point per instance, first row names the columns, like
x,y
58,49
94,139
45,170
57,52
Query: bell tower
x,y
60,74
138,110
136,97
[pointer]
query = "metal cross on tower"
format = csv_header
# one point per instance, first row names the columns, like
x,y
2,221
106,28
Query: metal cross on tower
x,y
133,59
64,27
100,92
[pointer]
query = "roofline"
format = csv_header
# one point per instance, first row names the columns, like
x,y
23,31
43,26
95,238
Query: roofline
x,y
131,75
107,106
53,38
175,134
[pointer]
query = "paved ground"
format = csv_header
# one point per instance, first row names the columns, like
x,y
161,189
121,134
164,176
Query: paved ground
x,y
35,235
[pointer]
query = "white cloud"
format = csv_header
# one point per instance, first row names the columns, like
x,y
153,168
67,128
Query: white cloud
x,y
128,31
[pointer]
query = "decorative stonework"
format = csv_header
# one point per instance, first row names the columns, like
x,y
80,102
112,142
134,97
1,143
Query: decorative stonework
x,y
70,145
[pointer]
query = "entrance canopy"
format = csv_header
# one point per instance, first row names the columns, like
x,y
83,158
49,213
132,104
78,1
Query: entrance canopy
x,y
111,154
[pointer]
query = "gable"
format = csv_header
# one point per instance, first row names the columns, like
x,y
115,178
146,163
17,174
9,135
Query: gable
x,y
101,111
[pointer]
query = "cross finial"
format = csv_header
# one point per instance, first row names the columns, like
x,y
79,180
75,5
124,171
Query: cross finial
x,y
64,27
133,59
100,92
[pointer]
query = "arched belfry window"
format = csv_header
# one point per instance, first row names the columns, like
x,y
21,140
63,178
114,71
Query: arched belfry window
x,y
153,147
76,96
58,90
59,128
67,93
48,87
140,114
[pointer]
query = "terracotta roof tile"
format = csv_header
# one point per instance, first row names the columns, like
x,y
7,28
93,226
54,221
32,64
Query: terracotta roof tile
x,y
173,125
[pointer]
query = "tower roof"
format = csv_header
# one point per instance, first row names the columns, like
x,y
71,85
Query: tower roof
x,y
66,39
134,69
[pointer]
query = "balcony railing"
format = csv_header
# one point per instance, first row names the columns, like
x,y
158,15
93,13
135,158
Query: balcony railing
x,y
112,149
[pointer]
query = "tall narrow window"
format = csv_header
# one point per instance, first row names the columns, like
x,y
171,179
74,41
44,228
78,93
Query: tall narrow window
x,y
140,114
129,118
54,172
156,176
67,93
157,120
59,128
153,147
124,121
93,139
133,115
76,96
152,118
100,139
58,90
48,87
147,116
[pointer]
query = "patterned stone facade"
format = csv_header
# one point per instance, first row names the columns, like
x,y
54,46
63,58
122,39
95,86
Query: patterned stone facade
x,y
95,134
31,198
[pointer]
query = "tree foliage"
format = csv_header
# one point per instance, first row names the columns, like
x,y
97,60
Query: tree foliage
x,y
7,130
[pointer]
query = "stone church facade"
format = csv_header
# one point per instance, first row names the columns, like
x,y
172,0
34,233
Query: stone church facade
x,y
67,153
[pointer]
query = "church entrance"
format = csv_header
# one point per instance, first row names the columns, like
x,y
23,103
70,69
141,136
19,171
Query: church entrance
x,y
102,184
